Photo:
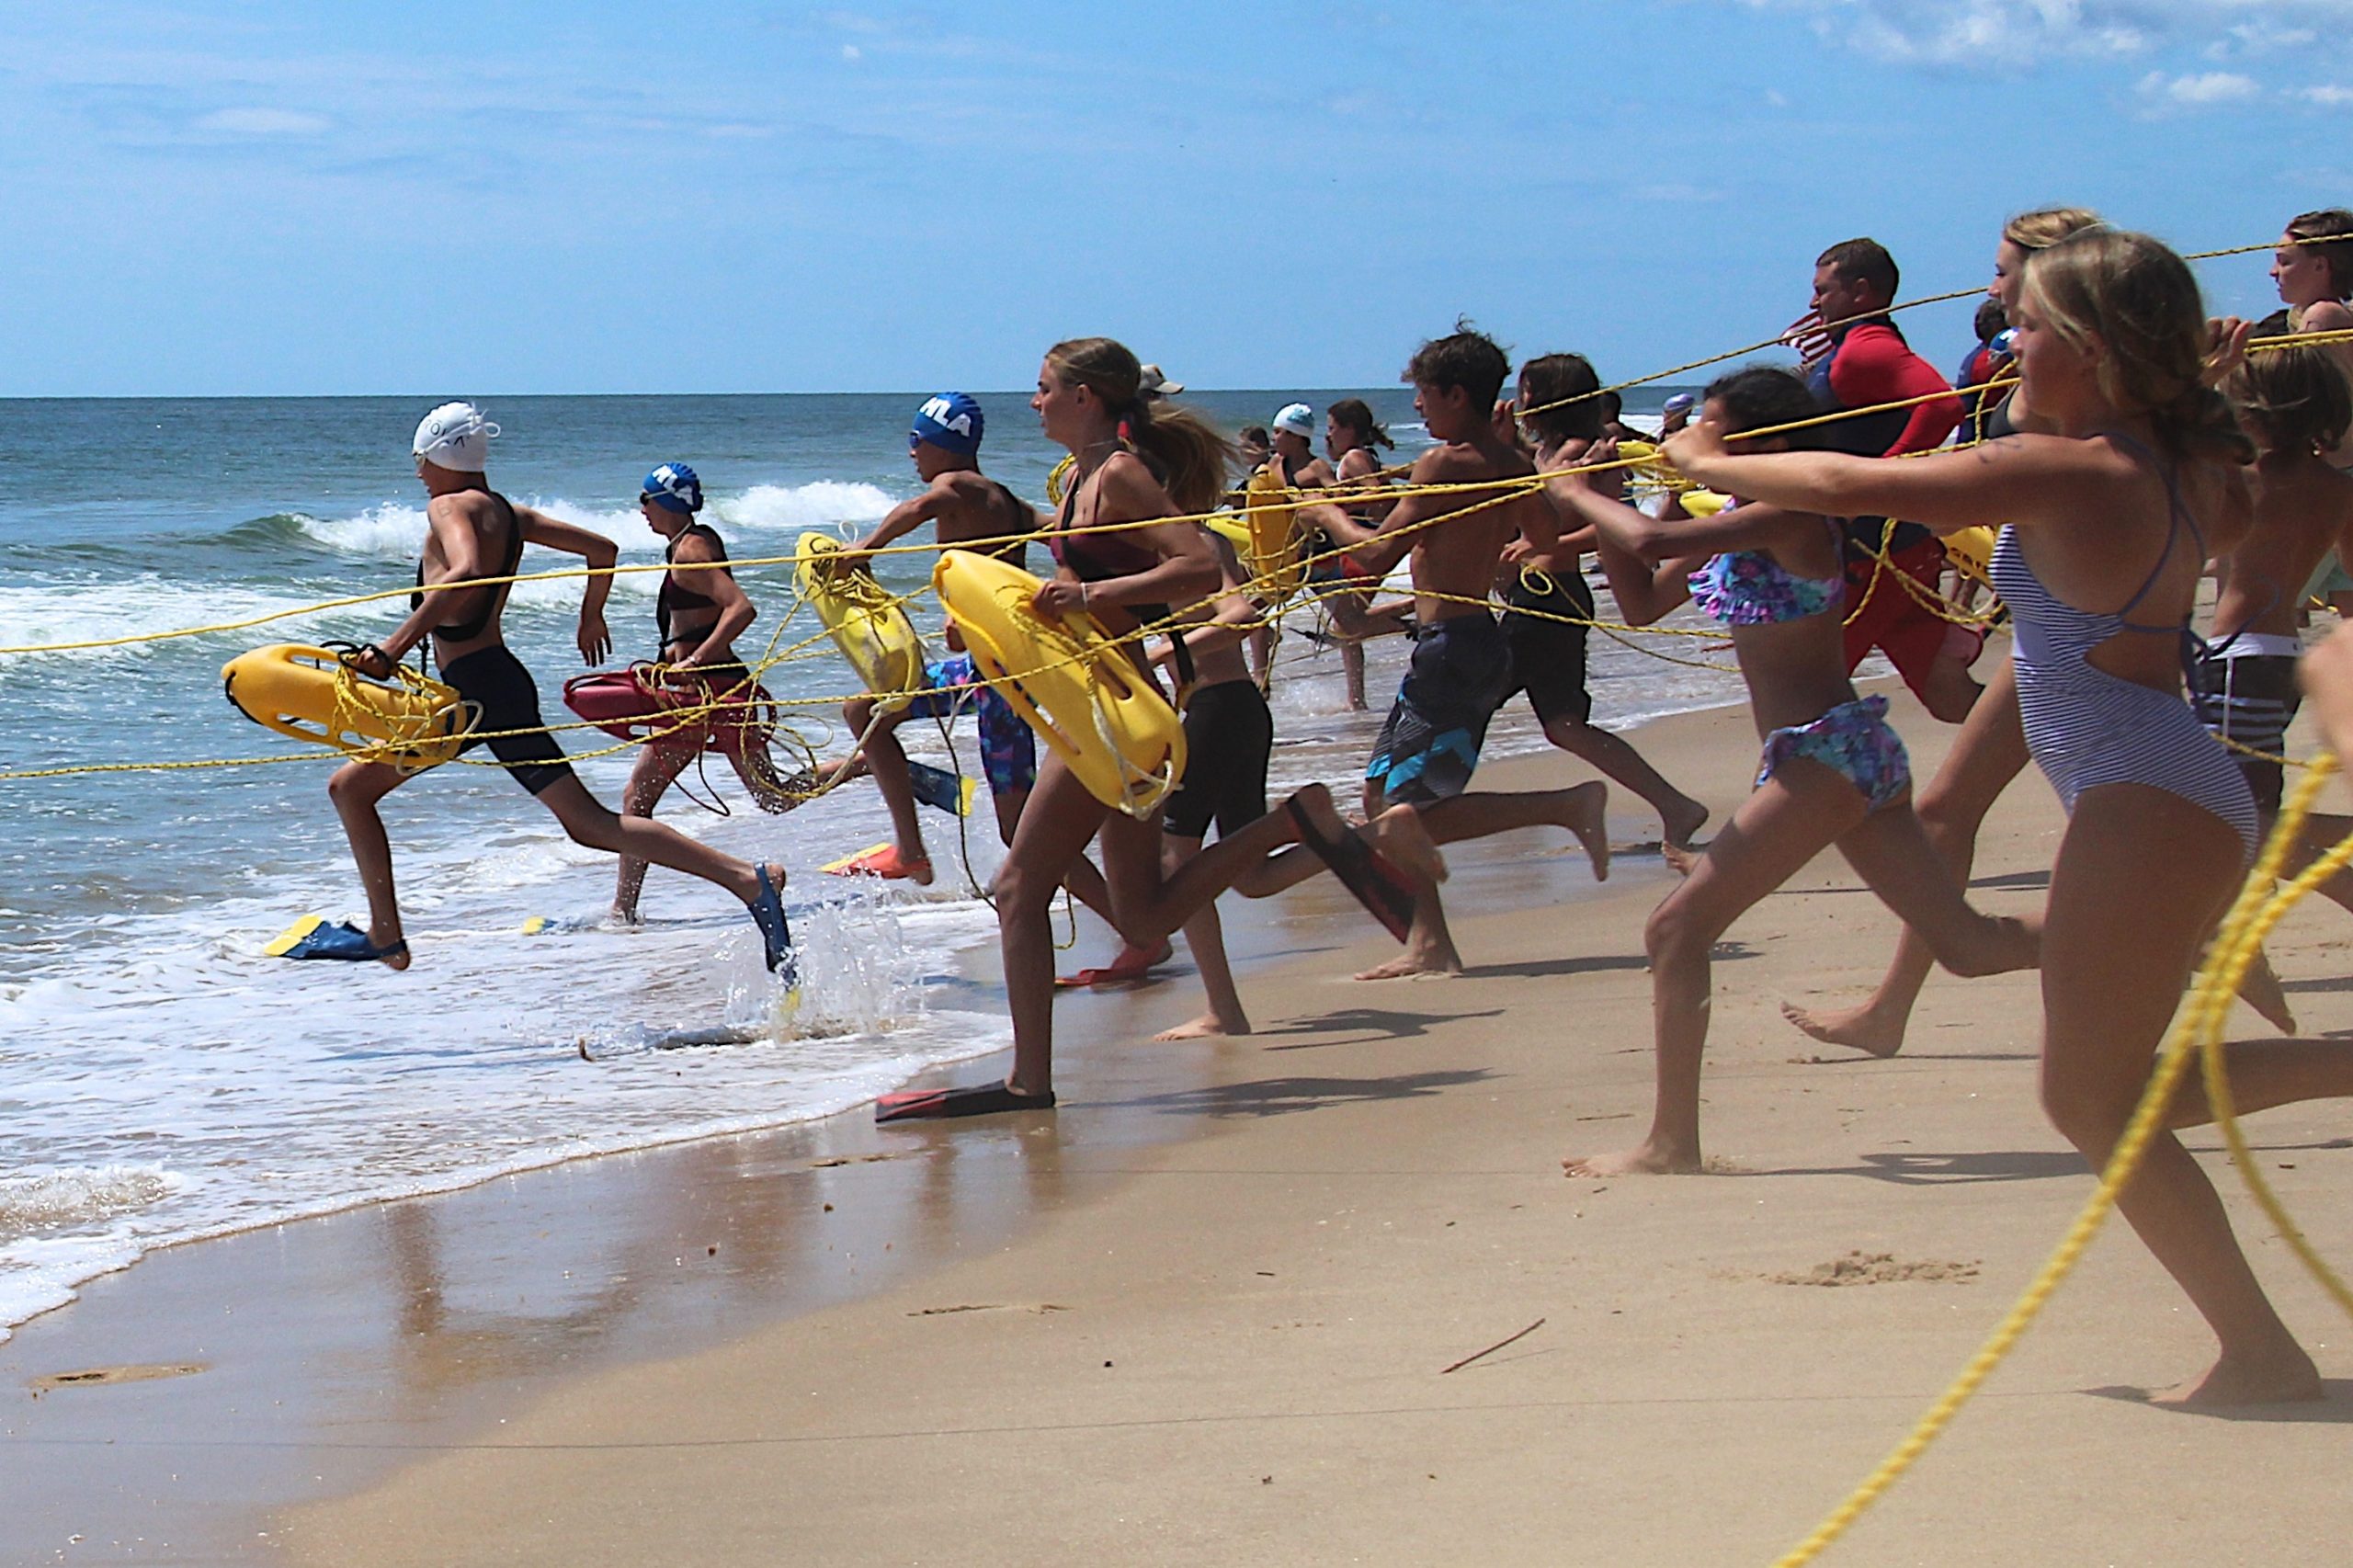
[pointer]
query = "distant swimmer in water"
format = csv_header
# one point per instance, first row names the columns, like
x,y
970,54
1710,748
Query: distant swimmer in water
x,y
474,532
698,618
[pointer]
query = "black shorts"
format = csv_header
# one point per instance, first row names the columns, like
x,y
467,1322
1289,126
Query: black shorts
x,y
1229,734
2251,700
1547,652
495,681
1429,747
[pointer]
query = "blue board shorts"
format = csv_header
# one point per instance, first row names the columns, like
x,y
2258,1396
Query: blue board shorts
x,y
1460,675
1008,746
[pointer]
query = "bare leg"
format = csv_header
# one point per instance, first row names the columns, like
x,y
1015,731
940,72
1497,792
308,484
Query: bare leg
x,y
657,768
2267,1073
589,822
1352,673
1989,752
1053,833
2114,955
1205,935
1680,816
355,788
1893,856
886,760
1789,819
1580,809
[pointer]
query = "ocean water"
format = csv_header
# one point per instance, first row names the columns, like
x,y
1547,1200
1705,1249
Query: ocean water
x,y
161,1079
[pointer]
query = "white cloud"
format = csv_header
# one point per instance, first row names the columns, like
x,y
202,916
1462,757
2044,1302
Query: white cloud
x,y
2328,96
2023,32
851,51
262,123
2206,88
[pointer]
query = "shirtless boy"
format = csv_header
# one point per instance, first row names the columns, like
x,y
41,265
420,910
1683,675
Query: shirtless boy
x,y
474,532
970,511
1461,663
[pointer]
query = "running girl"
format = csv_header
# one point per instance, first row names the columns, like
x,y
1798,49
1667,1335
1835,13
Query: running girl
x,y
1832,771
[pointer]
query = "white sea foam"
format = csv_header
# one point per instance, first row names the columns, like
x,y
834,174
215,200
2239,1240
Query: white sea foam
x,y
34,613
42,1201
822,505
393,530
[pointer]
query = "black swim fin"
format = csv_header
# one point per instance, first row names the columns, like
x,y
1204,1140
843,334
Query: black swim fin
x,y
1371,876
969,1099
937,787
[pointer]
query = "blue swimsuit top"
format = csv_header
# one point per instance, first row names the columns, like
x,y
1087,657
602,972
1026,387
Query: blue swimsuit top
x,y
1748,587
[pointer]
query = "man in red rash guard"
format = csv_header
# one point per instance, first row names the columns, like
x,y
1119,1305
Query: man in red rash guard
x,y
1869,364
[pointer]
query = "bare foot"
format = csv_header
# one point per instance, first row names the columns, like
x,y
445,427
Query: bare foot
x,y
1398,832
1680,857
1863,1029
2261,991
2286,1377
1583,812
1652,1159
1413,966
1681,820
1207,1026
390,951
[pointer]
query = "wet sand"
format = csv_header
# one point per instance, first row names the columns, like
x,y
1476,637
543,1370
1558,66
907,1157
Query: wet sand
x,y
1206,1312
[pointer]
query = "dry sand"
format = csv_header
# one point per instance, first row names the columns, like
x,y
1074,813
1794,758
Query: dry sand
x,y
1234,1345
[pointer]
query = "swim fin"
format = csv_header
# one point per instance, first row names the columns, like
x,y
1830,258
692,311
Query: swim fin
x,y
969,1099
882,860
951,792
776,934
1371,876
313,937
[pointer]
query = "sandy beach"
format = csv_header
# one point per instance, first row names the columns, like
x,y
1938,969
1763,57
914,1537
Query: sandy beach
x,y
1213,1310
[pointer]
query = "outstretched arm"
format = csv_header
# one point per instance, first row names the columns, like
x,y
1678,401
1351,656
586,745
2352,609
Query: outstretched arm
x,y
1626,541
906,516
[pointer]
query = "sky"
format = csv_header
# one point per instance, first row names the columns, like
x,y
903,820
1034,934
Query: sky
x,y
281,199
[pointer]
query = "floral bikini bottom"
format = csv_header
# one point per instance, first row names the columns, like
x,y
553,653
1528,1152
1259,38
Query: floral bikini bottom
x,y
1856,741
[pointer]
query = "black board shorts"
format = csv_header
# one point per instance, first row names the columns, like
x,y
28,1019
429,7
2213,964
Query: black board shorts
x,y
1229,735
495,681
1547,652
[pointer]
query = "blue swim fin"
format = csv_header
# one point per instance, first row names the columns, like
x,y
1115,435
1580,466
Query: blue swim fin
x,y
937,787
314,937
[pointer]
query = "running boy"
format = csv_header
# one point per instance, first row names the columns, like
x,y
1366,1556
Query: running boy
x,y
1461,665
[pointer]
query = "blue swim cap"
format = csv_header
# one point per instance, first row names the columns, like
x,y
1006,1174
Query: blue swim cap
x,y
951,422
674,488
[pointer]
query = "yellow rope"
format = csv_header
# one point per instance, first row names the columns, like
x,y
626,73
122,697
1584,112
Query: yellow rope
x,y
2199,1028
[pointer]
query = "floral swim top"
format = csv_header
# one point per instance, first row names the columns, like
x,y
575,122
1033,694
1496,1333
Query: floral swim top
x,y
1748,587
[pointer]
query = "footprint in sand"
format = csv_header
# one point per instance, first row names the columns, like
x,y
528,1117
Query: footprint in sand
x,y
1877,1269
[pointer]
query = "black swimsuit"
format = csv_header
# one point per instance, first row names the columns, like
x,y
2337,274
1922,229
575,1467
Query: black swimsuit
x,y
494,595
1097,558
676,598
494,681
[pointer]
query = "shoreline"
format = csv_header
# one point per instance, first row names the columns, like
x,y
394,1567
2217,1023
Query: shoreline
x,y
187,1303
1201,1314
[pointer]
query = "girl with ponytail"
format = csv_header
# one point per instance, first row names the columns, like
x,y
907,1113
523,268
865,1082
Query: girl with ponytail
x,y
2112,515
1137,460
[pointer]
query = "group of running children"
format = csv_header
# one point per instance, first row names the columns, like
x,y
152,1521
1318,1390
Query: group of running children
x,y
2127,443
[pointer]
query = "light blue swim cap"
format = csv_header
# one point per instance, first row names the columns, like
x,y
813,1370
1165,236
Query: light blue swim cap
x,y
951,421
674,488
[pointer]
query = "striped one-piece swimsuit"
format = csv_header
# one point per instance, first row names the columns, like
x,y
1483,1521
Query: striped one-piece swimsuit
x,y
2086,727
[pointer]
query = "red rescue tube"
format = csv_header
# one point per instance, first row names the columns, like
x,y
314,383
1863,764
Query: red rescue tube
x,y
628,705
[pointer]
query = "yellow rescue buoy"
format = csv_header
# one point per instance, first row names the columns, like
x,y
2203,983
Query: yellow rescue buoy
x,y
1704,503
1271,552
1971,549
1079,691
868,626
412,722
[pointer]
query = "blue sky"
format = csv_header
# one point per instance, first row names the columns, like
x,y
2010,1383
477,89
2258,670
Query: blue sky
x,y
282,198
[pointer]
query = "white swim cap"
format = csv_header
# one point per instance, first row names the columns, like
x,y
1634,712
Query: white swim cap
x,y
1297,418
456,437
